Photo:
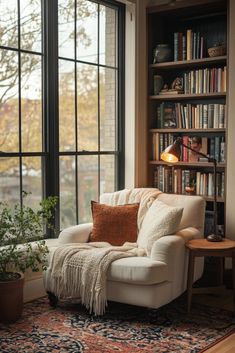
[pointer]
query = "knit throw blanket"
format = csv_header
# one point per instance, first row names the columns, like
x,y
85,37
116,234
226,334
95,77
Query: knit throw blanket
x,y
80,271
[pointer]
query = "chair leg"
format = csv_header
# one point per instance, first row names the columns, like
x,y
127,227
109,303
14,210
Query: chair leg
x,y
53,299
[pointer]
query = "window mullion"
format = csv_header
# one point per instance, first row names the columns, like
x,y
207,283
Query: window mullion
x,y
51,101
76,109
19,102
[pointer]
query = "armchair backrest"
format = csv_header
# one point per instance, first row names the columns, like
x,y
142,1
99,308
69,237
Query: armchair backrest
x,y
194,206
194,209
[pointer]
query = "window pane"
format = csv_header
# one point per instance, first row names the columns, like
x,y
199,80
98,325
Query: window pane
x,y
87,99
87,186
66,11
31,103
87,31
107,109
107,173
67,192
9,23
108,35
67,105
9,105
30,23
32,180
9,180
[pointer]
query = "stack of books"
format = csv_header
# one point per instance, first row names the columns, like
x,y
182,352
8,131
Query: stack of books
x,y
214,147
188,46
191,116
176,180
209,80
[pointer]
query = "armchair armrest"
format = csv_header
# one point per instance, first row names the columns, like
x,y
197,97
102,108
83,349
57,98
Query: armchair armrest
x,y
167,244
164,249
171,250
75,234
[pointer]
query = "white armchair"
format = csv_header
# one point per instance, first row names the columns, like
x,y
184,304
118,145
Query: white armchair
x,y
154,280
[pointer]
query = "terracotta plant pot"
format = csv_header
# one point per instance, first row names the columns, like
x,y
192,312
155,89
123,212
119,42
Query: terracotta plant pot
x,y
11,299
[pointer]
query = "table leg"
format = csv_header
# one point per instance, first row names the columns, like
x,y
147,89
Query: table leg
x,y
190,279
233,269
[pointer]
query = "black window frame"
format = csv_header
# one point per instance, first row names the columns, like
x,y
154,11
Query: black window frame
x,y
51,100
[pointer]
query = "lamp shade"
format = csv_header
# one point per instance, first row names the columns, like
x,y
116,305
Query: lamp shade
x,y
172,153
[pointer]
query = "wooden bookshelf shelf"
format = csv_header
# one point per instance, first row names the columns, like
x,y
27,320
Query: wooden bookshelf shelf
x,y
176,130
188,164
184,97
190,63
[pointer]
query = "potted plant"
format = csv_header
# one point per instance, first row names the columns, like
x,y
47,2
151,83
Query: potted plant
x,y
22,247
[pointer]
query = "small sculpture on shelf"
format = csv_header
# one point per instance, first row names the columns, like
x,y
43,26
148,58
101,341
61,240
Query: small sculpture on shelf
x,y
191,188
177,84
176,87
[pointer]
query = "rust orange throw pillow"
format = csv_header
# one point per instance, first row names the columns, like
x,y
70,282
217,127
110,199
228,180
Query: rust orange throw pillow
x,y
114,224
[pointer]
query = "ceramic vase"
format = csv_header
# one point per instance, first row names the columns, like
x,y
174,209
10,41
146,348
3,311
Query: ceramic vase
x,y
162,53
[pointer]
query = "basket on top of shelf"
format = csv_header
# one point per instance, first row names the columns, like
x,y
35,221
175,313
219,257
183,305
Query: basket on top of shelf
x,y
217,51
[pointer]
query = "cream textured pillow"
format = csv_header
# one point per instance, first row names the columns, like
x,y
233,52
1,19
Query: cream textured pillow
x,y
159,220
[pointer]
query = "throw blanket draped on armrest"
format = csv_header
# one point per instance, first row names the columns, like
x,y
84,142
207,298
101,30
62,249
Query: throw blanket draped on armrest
x,y
80,270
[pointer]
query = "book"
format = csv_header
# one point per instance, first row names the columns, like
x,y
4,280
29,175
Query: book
x,y
176,40
222,151
189,44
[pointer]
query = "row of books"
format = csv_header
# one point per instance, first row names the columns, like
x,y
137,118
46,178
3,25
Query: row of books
x,y
183,181
188,46
190,116
209,80
214,147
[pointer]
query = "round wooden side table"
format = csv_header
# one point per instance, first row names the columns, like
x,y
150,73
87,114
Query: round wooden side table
x,y
203,247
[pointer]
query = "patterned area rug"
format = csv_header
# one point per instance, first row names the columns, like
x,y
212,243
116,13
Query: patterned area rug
x,y
71,329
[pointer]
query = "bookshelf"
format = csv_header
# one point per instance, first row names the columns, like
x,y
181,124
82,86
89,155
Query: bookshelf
x,y
199,111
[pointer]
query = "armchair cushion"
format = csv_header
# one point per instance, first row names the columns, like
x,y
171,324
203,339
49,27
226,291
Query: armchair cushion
x,y
160,220
138,270
114,224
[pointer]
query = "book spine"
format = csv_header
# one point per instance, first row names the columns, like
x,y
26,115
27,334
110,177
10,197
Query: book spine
x,y
184,48
212,147
180,46
198,178
198,46
157,156
201,48
189,44
194,45
210,116
155,178
205,116
222,151
176,43
221,115
217,148
162,115
158,117
216,116
225,79
185,150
